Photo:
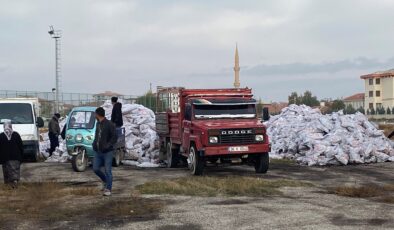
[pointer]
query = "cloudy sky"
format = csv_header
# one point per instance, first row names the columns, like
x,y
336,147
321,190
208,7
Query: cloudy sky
x,y
284,46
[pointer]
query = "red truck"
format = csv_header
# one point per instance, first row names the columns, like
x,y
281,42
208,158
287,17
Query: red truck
x,y
208,125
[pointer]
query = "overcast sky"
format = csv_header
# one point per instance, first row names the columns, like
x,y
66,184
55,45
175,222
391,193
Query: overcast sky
x,y
284,46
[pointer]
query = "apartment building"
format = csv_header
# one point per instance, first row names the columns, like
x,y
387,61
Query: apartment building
x,y
379,89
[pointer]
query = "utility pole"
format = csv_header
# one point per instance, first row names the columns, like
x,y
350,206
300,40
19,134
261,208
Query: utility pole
x,y
57,34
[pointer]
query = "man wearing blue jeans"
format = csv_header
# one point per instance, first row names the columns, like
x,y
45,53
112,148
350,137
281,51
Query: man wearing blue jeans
x,y
103,145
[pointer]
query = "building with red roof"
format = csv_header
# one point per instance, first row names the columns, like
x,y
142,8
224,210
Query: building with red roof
x,y
379,89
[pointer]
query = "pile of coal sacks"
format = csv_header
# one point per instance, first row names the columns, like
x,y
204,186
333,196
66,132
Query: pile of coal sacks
x,y
311,138
141,137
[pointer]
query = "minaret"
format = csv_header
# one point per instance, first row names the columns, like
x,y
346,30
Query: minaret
x,y
236,69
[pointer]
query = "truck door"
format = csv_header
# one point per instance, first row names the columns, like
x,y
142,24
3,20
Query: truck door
x,y
186,125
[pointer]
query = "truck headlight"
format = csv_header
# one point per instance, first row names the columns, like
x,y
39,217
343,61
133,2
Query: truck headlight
x,y
78,138
89,137
213,140
259,138
28,137
69,137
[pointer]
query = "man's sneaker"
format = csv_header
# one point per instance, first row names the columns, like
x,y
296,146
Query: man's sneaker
x,y
107,192
104,185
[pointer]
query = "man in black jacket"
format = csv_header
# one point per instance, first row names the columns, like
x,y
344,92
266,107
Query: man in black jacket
x,y
116,116
103,145
54,132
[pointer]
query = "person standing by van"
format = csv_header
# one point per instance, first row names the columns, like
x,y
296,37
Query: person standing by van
x,y
11,152
103,146
54,132
116,116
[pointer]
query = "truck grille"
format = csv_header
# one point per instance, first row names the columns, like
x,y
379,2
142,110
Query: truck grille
x,y
237,139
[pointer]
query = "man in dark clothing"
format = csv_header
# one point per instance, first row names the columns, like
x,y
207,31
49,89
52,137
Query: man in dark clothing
x,y
11,152
116,116
54,132
103,145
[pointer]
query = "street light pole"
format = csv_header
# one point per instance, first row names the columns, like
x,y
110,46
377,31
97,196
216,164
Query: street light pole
x,y
56,34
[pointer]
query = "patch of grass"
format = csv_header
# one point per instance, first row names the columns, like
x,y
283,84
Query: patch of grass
x,y
84,191
359,191
382,193
52,201
387,199
214,186
132,207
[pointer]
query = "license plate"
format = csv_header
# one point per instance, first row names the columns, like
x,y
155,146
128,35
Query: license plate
x,y
238,148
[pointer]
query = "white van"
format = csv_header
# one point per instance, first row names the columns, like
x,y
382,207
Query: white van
x,y
23,113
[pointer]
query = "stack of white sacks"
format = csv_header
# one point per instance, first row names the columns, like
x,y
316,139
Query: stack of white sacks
x,y
141,137
311,138
60,154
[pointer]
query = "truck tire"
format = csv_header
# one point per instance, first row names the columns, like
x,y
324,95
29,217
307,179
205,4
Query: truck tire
x,y
77,163
172,156
117,159
195,162
262,162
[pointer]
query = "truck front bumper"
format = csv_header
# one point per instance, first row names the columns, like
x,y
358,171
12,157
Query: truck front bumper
x,y
30,149
224,150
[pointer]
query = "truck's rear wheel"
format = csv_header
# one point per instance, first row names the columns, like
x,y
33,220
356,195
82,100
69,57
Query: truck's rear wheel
x,y
195,162
262,162
172,156
79,162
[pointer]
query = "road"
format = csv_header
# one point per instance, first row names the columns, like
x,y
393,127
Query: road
x,y
297,208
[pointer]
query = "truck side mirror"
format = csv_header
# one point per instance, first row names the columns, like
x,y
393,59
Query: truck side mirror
x,y
188,112
266,114
40,122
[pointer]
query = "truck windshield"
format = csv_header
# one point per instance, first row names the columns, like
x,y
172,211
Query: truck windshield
x,y
81,120
225,111
18,113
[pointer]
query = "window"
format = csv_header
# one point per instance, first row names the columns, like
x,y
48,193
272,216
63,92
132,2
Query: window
x,y
378,105
377,81
18,113
370,93
377,93
81,120
370,81
370,106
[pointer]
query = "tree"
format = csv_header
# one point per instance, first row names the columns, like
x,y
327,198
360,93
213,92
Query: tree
x,y
388,111
309,100
337,105
381,110
372,111
361,110
350,109
148,100
293,98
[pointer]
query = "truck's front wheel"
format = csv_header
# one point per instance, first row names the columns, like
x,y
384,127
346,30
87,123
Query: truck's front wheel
x,y
262,163
195,162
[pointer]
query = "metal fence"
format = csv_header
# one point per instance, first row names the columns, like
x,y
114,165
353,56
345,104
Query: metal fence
x,y
69,100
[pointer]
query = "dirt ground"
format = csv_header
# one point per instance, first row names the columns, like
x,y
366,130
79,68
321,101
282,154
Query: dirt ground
x,y
296,208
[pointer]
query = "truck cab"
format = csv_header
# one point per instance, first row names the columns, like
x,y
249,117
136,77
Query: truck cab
x,y
23,113
213,125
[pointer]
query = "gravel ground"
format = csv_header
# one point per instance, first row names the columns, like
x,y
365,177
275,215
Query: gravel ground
x,y
297,208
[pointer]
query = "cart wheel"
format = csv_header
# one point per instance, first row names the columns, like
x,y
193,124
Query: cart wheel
x,y
79,162
117,158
